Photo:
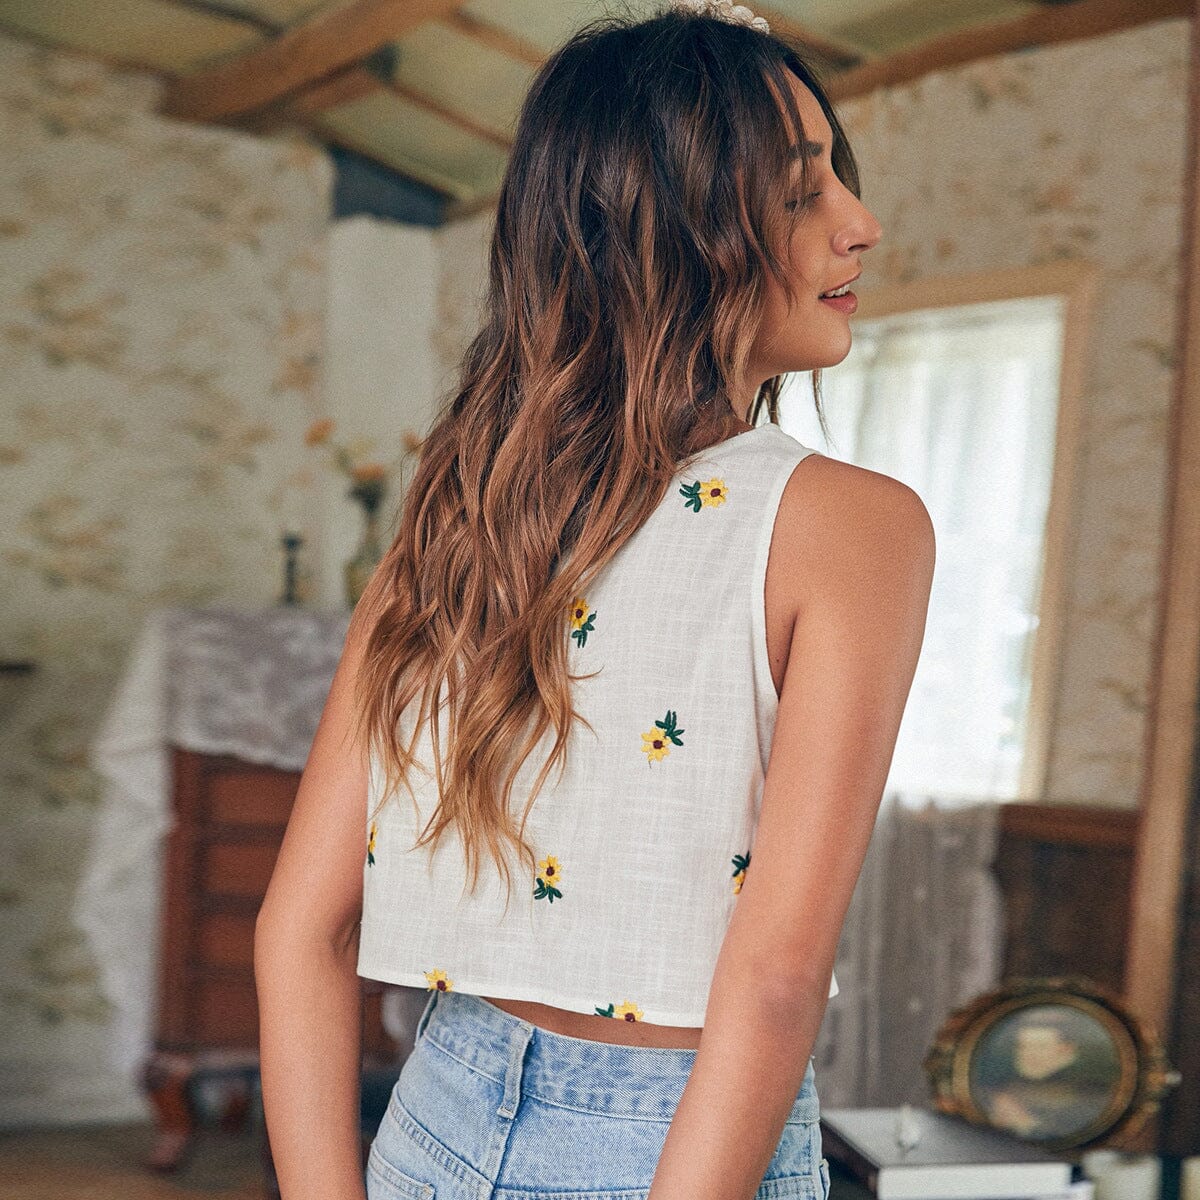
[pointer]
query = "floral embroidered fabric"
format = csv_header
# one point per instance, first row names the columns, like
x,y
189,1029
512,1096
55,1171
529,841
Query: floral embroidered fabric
x,y
645,839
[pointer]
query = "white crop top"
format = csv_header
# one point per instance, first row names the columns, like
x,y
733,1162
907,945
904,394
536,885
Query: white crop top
x,y
644,839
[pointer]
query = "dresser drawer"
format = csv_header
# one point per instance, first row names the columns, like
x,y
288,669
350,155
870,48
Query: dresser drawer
x,y
224,1010
226,940
239,794
236,869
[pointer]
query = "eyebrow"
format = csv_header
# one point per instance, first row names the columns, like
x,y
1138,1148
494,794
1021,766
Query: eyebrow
x,y
808,150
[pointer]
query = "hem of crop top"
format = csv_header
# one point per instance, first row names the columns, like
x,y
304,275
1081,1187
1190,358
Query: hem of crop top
x,y
537,995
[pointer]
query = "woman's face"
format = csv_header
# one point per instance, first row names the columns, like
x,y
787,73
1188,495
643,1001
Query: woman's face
x,y
834,230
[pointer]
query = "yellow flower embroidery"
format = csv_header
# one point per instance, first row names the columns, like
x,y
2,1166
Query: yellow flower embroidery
x,y
371,847
548,877
656,743
627,1011
707,493
740,863
439,980
581,620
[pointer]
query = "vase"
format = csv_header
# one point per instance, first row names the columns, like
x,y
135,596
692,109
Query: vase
x,y
361,566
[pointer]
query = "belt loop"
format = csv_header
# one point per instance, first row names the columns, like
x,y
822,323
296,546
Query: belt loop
x,y
516,1065
426,1012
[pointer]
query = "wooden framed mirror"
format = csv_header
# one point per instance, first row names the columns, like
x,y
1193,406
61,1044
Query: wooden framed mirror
x,y
1057,1061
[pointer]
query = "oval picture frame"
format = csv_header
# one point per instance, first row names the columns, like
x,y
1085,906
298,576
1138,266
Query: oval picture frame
x,y
1058,1061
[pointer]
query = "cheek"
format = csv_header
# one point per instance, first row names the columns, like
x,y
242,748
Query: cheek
x,y
797,267
804,265
774,305
806,280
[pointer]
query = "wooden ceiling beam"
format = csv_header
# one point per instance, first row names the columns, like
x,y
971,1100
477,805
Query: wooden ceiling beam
x,y
1082,19
297,58
492,35
230,12
840,53
1042,27
356,83
469,124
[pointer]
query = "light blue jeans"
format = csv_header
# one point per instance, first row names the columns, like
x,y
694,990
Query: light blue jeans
x,y
490,1107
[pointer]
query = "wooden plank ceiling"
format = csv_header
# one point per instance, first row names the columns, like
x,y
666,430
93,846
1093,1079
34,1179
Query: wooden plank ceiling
x,y
431,88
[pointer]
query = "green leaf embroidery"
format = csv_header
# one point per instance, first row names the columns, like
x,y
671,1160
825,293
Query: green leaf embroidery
x,y
580,634
582,619
546,891
655,744
692,492
668,728
707,493
740,863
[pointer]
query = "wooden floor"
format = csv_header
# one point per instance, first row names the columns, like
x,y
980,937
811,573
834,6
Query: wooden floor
x,y
104,1162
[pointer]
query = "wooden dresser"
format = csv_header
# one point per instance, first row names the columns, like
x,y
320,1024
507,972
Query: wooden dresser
x,y
229,818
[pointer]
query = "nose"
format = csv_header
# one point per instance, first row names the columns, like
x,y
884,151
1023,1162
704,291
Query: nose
x,y
860,232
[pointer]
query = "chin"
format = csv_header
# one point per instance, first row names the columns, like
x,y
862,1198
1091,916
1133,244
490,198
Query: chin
x,y
825,356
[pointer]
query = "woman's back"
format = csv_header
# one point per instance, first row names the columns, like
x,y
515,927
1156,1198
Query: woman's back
x,y
645,838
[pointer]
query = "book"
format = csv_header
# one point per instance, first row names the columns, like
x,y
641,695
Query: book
x,y
951,1160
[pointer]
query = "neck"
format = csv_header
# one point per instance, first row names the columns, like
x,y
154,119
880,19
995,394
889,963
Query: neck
x,y
708,433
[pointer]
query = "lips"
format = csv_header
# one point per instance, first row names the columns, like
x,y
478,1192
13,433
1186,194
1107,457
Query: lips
x,y
842,284
841,289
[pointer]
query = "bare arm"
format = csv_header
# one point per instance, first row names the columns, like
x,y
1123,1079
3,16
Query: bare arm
x,y
858,548
305,955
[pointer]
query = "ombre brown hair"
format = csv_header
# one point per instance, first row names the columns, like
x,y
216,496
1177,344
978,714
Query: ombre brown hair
x,y
649,191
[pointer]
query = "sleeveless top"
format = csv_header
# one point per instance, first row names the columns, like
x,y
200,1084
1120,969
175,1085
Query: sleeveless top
x,y
644,838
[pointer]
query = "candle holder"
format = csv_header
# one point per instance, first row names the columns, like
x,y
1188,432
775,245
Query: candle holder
x,y
292,542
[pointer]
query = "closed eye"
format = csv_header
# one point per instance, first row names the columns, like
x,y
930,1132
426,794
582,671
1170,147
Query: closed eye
x,y
803,203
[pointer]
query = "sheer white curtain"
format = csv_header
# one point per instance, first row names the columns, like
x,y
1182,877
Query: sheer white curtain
x,y
923,934
961,405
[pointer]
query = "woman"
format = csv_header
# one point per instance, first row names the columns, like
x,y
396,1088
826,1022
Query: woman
x,y
623,633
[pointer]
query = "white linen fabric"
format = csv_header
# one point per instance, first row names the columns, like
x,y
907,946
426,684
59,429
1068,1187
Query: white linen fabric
x,y
644,838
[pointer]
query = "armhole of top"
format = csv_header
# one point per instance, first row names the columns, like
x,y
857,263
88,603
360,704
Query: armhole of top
x,y
758,590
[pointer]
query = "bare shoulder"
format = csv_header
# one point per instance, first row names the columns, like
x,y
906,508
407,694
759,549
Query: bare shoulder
x,y
840,524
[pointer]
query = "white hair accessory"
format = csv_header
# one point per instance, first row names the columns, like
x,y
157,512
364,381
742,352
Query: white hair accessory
x,y
726,10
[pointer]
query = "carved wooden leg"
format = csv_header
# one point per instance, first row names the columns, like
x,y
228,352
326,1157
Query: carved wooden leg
x,y
165,1079
235,1107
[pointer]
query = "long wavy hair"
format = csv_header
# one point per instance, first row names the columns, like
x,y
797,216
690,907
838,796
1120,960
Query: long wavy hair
x,y
648,193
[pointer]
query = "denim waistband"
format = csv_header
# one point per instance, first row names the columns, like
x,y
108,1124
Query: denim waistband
x,y
605,1077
